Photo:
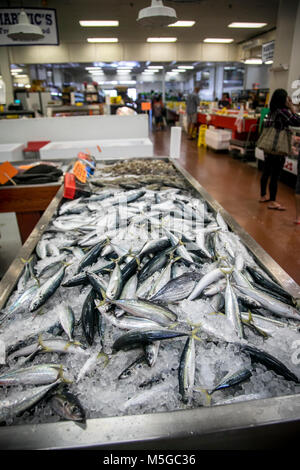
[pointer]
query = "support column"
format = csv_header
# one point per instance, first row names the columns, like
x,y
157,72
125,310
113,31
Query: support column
x,y
6,75
287,42
219,75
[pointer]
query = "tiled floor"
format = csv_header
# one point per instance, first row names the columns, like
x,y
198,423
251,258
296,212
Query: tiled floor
x,y
235,185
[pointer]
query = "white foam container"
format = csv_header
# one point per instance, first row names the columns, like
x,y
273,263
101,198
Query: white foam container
x,y
11,152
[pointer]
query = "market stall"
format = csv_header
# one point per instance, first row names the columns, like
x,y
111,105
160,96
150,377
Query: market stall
x,y
146,410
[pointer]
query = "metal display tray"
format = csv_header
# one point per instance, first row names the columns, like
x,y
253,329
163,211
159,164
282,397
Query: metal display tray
x,y
257,424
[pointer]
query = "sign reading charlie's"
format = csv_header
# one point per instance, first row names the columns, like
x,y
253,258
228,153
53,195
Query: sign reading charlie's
x,y
45,18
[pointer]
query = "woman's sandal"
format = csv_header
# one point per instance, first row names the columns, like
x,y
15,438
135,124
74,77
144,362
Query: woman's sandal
x,y
264,200
278,207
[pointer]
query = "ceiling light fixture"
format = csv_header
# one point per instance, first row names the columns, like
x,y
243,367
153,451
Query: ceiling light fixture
x,y
87,24
24,30
246,25
102,39
269,62
16,70
253,61
218,40
182,24
161,39
186,67
155,67
156,15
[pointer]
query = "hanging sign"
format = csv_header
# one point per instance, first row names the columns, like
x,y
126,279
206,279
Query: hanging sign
x,y
267,51
45,18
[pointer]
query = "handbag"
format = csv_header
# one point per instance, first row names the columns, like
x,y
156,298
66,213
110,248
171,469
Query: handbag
x,y
275,141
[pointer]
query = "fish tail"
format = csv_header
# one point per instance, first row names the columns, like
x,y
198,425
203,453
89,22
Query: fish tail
x,y
26,261
61,375
206,393
105,356
105,299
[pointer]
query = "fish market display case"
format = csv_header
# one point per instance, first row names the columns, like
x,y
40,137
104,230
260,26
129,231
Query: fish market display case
x,y
260,423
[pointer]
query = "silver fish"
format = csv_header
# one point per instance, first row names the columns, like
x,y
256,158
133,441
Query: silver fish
x,y
129,290
20,302
232,310
67,406
232,379
47,289
18,402
146,309
115,284
272,304
186,373
128,322
137,338
151,353
67,319
56,345
35,375
206,280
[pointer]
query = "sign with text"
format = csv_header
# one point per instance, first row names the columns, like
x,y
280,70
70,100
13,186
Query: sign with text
x,y
45,18
267,51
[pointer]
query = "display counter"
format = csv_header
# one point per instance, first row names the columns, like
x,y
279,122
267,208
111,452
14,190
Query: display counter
x,y
249,124
262,423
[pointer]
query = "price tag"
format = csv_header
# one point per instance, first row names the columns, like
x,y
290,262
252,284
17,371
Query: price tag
x,y
7,172
80,172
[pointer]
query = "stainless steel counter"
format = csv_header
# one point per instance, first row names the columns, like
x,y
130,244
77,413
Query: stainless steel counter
x,y
257,424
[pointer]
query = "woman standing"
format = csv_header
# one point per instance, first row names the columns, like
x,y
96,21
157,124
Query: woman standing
x,y
281,116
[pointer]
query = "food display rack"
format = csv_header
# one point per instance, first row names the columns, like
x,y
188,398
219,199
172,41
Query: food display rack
x,y
266,423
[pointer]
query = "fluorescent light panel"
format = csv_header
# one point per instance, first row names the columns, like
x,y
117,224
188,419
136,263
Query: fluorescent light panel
x,y
253,61
218,40
186,67
161,39
155,67
16,70
246,25
102,39
100,23
182,24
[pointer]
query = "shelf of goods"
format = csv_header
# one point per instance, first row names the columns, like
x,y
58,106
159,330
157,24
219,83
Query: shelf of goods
x,y
82,110
145,390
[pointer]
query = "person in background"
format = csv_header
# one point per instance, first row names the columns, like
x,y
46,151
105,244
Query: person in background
x,y
281,116
138,102
158,109
225,101
297,189
192,103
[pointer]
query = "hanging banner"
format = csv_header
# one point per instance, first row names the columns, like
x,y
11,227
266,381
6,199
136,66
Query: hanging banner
x,y
45,18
